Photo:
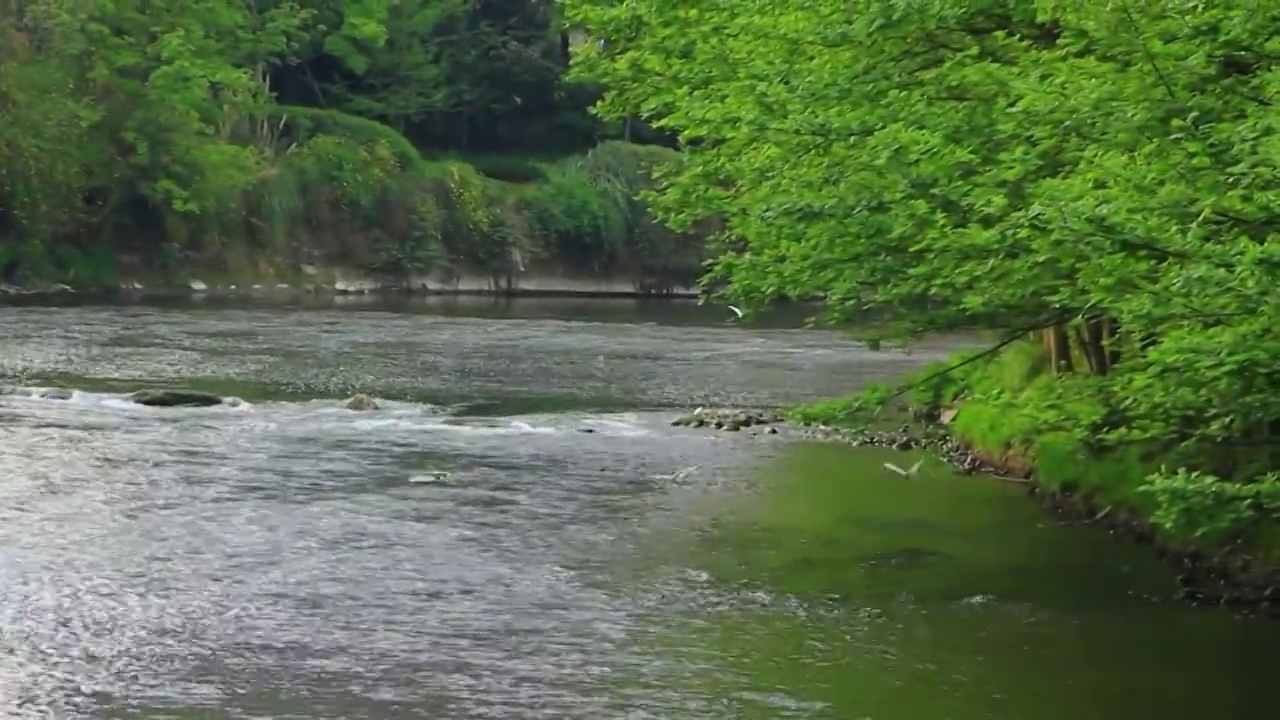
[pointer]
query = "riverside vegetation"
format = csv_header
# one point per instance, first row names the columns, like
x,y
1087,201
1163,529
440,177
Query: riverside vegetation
x,y
151,140
1097,183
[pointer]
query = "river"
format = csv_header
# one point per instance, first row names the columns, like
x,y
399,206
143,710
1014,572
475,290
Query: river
x,y
581,559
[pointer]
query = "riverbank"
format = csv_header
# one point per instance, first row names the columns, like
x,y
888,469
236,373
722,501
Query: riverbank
x,y
575,225
983,420
542,282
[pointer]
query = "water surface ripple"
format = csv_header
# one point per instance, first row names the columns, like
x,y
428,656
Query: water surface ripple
x,y
282,558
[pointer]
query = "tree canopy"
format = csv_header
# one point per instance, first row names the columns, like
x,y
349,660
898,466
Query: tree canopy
x,y
369,133
1104,172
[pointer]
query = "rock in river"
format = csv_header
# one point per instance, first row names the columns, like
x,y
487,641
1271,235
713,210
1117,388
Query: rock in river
x,y
57,394
175,398
361,402
727,418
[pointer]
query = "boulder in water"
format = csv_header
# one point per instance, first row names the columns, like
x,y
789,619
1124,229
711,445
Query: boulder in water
x,y
361,402
175,398
56,394
729,419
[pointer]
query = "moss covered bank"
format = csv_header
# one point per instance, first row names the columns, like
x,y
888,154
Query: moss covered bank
x,y
1210,510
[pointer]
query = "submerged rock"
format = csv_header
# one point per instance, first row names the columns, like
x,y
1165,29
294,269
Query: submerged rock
x,y
175,398
56,394
361,402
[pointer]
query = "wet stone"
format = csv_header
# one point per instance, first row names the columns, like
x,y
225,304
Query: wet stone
x,y
361,402
175,398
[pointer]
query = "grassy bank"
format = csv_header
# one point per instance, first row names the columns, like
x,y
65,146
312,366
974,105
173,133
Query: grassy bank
x,y
337,203
1212,509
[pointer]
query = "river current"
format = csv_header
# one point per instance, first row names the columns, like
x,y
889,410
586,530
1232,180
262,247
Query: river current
x,y
512,534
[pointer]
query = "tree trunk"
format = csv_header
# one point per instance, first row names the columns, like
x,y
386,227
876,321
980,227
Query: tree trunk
x,y
1058,346
1094,337
1111,341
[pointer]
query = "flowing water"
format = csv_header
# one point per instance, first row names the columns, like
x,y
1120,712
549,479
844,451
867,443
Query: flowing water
x,y
519,533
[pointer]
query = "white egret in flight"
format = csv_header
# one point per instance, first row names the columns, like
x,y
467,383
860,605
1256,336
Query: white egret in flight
x,y
906,473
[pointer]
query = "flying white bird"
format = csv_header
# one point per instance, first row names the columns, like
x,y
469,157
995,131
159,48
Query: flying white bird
x,y
906,473
683,473
678,475
432,476
736,311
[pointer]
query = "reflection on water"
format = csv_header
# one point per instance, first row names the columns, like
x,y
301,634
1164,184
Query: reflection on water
x,y
570,355
939,597
519,533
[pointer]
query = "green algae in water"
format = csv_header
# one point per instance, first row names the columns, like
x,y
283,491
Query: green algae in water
x,y
946,596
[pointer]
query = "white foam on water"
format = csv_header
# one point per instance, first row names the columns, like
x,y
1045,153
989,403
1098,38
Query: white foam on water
x,y
33,396
118,402
620,425
391,418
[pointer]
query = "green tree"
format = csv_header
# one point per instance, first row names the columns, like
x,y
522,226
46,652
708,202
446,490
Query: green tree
x,y
1105,173
252,137
447,73
46,122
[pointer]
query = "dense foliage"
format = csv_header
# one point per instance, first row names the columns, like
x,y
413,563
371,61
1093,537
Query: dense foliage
x,y
1102,176
260,136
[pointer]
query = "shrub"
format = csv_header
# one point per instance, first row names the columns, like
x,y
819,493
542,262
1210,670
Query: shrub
x,y
591,209
508,169
574,217
1192,504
